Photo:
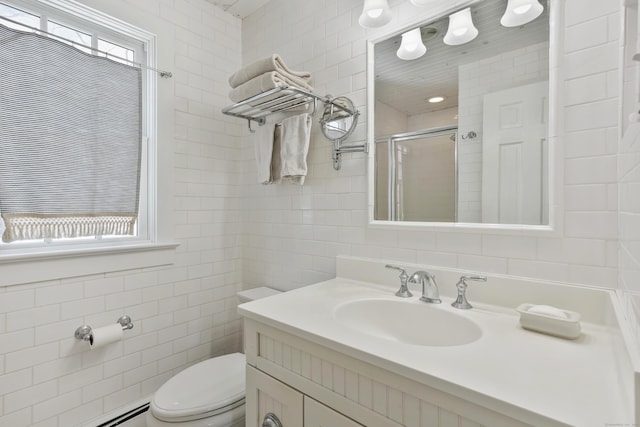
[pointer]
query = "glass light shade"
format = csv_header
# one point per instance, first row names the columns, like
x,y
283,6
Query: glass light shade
x,y
375,13
421,3
520,12
411,46
461,29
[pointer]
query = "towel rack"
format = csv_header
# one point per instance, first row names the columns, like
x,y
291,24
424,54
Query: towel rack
x,y
279,99
287,98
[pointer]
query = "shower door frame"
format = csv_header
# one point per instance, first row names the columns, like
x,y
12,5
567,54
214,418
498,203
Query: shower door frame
x,y
391,149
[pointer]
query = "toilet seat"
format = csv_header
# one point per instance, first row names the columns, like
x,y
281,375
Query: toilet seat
x,y
211,387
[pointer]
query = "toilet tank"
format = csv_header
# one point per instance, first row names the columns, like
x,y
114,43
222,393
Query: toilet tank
x,y
256,293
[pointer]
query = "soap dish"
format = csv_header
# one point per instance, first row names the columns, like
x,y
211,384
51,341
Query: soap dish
x,y
568,327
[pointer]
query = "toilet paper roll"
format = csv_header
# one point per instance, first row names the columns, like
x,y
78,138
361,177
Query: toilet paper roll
x,y
105,335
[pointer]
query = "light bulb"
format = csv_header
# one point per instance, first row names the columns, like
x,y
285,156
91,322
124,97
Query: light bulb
x,y
461,29
522,9
375,13
411,46
520,12
421,3
460,32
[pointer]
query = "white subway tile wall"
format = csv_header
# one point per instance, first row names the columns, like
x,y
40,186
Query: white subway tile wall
x,y
182,313
629,183
590,218
236,233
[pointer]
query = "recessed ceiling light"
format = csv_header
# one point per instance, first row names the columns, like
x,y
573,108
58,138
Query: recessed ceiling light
x,y
436,99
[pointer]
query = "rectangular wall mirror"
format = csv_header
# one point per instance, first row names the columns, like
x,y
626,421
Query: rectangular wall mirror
x,y
460,133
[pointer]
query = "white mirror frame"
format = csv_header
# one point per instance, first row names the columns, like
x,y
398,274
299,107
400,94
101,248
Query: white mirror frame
x,y
555,132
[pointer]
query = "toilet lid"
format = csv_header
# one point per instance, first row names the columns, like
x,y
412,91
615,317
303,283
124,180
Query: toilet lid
x,y
204,389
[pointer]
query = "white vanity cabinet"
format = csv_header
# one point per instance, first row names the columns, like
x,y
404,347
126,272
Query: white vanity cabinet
x,y
318,415
266,395
306,383
354,347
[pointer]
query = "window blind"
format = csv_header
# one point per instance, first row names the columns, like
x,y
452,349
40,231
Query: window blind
x,y
70,140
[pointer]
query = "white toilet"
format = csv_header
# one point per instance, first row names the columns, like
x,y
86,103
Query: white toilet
x,y
207,394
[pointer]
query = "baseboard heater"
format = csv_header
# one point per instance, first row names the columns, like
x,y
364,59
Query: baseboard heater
x,y
123,418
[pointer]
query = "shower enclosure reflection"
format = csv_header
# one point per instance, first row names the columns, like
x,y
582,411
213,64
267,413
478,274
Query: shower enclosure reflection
x,y
416,178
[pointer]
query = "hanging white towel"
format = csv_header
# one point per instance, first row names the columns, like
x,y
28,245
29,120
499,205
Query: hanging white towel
x,y
263,139
276,161
265,65
294,147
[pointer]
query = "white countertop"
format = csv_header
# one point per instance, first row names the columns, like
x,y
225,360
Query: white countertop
x,y
536,378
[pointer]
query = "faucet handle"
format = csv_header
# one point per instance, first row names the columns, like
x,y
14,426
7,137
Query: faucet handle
x,y
464,279
403,292
461,301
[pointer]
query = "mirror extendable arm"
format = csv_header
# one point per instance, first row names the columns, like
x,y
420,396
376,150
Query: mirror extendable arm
x,y
338,121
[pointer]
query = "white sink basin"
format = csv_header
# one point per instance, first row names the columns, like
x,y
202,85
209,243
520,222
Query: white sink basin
x,y
410,322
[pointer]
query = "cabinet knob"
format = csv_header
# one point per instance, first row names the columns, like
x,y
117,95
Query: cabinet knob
x,y
271,420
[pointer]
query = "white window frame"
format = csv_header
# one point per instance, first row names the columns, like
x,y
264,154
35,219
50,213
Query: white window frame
x,y
29,262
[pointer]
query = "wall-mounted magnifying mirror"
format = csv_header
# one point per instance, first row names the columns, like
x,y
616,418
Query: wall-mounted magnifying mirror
x,y
338,121
461,132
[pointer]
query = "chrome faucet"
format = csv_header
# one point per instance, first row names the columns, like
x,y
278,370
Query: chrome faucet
x,y
430,292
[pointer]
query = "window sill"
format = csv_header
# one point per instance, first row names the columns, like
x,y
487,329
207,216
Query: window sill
x,y
20,268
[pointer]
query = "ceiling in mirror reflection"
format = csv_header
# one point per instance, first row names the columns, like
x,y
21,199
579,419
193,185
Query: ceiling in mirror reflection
x,y
406,85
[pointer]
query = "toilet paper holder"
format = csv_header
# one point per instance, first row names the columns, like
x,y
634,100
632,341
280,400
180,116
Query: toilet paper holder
x,y
84,332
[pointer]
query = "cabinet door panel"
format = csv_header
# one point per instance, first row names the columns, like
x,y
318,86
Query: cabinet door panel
x,y
267,395
318,415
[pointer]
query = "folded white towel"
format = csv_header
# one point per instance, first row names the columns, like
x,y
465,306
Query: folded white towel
x,y
265,65
263,139
294,147
263,83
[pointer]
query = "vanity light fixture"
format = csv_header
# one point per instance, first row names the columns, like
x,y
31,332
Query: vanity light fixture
x,y
411,46
375,13
461,29
520,12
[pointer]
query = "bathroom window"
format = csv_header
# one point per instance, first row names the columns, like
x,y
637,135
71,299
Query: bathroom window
x,y
94,34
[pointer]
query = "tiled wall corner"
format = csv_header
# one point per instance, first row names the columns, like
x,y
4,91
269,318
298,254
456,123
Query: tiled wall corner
x,y
628,177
